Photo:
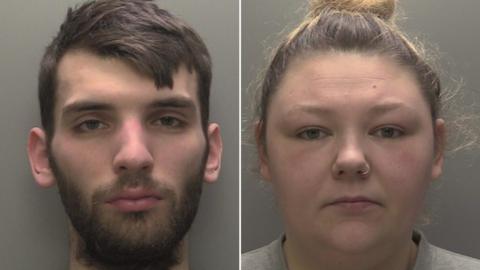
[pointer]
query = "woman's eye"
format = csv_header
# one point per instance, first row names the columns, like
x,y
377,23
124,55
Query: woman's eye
x,y
91,125
312,134
388,132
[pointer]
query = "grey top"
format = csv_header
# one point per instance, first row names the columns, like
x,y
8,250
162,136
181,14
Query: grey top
x,y
429,257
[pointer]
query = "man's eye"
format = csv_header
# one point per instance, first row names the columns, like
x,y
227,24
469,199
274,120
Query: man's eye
x,y
91,125
388,132
168,121
312,134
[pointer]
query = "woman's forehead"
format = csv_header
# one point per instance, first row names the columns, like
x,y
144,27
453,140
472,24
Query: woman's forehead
x,y
344,66
345,74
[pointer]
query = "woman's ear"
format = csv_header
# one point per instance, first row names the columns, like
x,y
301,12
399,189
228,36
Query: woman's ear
x,y
39,160
440,142
262,150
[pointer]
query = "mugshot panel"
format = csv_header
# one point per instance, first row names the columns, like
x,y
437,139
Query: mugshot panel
x,y
443,25
35,234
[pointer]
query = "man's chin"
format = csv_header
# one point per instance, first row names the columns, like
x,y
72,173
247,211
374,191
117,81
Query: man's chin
x,y
133,228
130,239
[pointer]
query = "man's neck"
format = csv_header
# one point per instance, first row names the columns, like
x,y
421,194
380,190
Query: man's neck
x,y
77,261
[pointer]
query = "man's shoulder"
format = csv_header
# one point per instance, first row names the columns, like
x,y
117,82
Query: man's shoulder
x,y
269,257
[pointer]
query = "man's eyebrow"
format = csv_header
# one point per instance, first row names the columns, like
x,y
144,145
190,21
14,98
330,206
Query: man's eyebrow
x,y
82,106
172,102
85,106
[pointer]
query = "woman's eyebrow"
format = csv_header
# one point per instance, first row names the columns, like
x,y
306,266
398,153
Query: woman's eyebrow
x,y
386,107
310,108
377,109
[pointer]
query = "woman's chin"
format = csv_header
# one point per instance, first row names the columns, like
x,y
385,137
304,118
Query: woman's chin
x,y
354,237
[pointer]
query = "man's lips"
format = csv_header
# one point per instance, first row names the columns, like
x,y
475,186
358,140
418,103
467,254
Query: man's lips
x,y
134,200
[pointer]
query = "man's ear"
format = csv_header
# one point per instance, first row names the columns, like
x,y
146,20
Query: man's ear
x,y
38,157
214,159
440,142
262,151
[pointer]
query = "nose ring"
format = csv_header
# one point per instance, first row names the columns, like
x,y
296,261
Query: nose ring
x,y
365,170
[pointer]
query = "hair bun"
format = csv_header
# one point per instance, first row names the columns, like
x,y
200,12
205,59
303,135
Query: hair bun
x,y
382,8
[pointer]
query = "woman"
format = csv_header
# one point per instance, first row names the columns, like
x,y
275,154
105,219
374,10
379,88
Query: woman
x,y
350,136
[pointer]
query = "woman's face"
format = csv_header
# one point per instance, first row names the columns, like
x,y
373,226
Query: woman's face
x,y
350,150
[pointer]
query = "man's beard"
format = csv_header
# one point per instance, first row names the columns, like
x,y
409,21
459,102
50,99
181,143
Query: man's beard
x,y
132,240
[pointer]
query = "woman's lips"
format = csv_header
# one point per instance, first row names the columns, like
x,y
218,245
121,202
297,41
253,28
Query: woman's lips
x,y
353,203
134,200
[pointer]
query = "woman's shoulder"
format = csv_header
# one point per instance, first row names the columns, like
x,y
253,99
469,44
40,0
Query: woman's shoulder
x,y
431,257
445,259
269,257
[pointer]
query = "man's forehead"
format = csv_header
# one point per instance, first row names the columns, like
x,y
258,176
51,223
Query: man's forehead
x,y
83,76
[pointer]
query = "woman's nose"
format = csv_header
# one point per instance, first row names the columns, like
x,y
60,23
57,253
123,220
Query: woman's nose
x,y
350,161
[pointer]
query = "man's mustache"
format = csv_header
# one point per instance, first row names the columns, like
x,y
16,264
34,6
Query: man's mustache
x,y
137,180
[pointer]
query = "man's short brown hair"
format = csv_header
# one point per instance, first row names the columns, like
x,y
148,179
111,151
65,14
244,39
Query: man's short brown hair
x,y
137,31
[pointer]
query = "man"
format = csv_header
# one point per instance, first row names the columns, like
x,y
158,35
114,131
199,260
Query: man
x,y
124,100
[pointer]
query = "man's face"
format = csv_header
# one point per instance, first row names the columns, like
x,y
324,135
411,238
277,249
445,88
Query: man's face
x,y
129,158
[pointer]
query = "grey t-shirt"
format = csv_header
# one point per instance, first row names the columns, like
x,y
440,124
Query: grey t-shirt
x,y
429,257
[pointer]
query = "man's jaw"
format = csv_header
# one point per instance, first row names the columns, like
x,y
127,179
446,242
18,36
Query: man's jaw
x,y
79,260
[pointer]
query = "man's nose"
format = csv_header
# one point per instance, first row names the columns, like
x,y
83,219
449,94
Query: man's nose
x,y
351,161
133,152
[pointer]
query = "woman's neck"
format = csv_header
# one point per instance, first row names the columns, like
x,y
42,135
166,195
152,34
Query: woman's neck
x,y
397,256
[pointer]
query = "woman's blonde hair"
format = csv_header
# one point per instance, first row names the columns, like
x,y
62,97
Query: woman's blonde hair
x,y
360,26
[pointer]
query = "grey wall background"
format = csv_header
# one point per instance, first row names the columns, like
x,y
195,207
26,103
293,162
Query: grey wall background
x,y
454,200
33,227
